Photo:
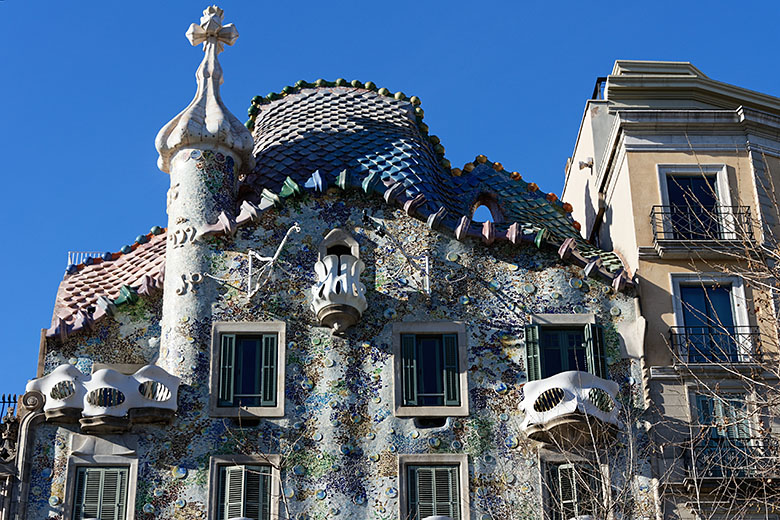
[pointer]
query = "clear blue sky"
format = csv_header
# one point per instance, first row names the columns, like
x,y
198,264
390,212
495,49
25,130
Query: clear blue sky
x,y
86,86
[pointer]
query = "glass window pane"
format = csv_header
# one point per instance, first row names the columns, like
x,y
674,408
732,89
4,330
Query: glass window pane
x,y
430,371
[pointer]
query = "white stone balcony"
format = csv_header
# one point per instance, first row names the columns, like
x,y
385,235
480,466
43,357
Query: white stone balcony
x,y
571,408
107,400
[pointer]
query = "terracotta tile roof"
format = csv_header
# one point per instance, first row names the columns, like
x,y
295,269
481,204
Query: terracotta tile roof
x,y
92,290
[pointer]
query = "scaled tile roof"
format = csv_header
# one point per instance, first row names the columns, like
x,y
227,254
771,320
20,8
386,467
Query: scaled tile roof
x,y
92,290
374,137
351,136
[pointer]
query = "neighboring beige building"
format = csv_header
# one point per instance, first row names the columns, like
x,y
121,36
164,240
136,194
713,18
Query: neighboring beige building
x,y
675,172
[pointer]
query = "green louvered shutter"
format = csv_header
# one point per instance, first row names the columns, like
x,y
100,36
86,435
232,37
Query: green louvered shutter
x,y
705,406
567,490
451,372
434,490
227,360
409,362
233,494
734,421
268,370
101,493
594,350
257,500
533,365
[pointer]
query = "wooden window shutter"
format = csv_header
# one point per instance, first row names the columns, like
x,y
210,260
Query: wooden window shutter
x,y
232,503
268,370
227,361
446,496
567,490
594,350
409,365
451,370
422,496
101,493
533,364
705,407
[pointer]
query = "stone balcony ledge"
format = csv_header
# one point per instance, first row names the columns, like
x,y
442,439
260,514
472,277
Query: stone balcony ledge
x,y
571,407
108,401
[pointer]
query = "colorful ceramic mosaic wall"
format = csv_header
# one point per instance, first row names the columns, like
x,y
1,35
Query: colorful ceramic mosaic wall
x,y
339,439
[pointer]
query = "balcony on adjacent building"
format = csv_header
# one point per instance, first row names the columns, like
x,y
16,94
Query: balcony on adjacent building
x,y
716,344
107,401
570,408
734,463
710,231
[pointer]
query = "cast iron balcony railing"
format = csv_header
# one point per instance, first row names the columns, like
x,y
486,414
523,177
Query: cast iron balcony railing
x,y
716,344
740,458
701,224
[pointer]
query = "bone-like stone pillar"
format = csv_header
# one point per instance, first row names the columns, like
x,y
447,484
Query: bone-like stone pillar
x,y
203,148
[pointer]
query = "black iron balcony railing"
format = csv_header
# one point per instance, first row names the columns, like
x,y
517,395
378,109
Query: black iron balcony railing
x,y
740,458
701,223
716,344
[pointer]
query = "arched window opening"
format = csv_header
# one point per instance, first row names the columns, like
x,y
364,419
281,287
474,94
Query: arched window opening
x,y
339,249
482,214
486,209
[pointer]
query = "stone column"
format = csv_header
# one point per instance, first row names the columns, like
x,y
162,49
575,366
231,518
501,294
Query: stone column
x,y
203,149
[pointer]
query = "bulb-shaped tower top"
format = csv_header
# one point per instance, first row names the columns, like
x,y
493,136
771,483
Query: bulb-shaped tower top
x,y
206,122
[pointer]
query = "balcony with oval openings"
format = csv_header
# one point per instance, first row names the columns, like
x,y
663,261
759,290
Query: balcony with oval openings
x,y
572,408
108,401
338,296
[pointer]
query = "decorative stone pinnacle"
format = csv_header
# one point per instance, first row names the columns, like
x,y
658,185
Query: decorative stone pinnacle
x,y
211,28
206,122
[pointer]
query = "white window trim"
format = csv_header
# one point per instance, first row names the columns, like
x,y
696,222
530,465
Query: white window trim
x,y
424,459
723,192
255,327
738,299
96,452
430,327
217,462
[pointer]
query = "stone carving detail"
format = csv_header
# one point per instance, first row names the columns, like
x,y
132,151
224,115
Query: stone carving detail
x,y
339,297
183,234
188,282
206,121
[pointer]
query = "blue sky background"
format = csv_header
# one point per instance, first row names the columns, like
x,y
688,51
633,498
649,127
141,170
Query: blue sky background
x,y
86,85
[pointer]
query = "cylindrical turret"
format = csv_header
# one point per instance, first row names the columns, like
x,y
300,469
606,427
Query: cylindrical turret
x,y
203,148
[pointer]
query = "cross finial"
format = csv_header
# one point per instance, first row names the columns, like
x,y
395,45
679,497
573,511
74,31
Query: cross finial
x,y
211,30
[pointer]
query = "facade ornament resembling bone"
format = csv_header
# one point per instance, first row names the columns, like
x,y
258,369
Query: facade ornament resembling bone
x,y
206,121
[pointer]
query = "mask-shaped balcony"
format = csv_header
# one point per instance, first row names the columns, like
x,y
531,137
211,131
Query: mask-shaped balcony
x,y
108,401
338,297
570,408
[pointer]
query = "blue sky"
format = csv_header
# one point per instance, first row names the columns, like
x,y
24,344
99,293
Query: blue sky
x,y
86,86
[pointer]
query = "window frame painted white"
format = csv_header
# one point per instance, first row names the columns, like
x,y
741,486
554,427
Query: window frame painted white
x,y
739,310
722,190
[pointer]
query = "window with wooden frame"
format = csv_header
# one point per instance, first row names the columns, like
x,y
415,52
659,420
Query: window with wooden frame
x,y
433,485
244,487
573,490
430,374
101,493
552,349
244,492
433,491
247,376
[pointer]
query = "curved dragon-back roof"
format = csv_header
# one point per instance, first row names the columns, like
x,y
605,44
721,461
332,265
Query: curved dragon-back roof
x,y
312,136
371,137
